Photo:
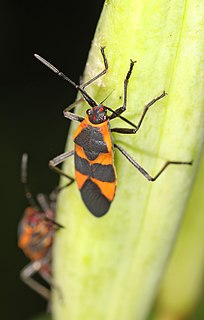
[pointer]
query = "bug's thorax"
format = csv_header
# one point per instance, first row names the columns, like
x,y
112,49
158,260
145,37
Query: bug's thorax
x,y
97,114
94,139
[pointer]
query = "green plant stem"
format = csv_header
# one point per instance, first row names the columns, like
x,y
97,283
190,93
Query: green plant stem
x,y
182,286
109,268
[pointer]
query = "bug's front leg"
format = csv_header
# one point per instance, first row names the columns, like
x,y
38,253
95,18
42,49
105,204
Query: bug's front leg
x,y
138,125
105,61
143,171
70,115
120,110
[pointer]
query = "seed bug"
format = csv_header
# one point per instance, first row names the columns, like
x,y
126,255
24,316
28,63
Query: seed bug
x,y
93,154
36,232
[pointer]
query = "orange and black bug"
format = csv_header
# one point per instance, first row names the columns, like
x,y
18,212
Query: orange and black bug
x,y
36,232
94,161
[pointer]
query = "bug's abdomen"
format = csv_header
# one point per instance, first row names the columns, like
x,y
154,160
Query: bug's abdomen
x,y
94,169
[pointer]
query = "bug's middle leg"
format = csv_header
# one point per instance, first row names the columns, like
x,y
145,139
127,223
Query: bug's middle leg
x,y
59,159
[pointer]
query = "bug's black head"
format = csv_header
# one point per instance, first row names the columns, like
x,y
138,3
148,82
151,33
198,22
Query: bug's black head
x,y
97,114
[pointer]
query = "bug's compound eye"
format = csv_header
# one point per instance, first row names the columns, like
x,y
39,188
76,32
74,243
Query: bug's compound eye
x,y
101,109
88,112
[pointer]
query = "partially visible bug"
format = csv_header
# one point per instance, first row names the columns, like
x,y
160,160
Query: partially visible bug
x,y
94,159
36,232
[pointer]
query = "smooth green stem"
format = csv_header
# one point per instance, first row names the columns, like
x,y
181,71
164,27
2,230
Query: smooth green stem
x,y
182,286
109,268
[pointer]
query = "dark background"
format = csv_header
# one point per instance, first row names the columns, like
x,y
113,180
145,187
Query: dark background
x,y
32,99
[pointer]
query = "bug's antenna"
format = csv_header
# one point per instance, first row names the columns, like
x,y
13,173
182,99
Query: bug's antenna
x,y
24,170
107,97
46,209
90,101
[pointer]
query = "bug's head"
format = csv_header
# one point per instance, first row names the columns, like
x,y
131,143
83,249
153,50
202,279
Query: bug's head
x,y
35,233
31,218
97,114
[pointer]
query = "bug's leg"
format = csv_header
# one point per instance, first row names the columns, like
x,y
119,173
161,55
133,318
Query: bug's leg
x,y
44,204
146,108
124,130
53,166
143,171
120,110
70,115
59,159
48,278
101,73
137,127
54,194
48,210
26,276
117,113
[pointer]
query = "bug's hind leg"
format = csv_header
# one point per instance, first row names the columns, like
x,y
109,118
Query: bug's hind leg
x,y
143,171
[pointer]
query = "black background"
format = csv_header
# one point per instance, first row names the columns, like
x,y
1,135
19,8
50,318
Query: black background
x,y
32,99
